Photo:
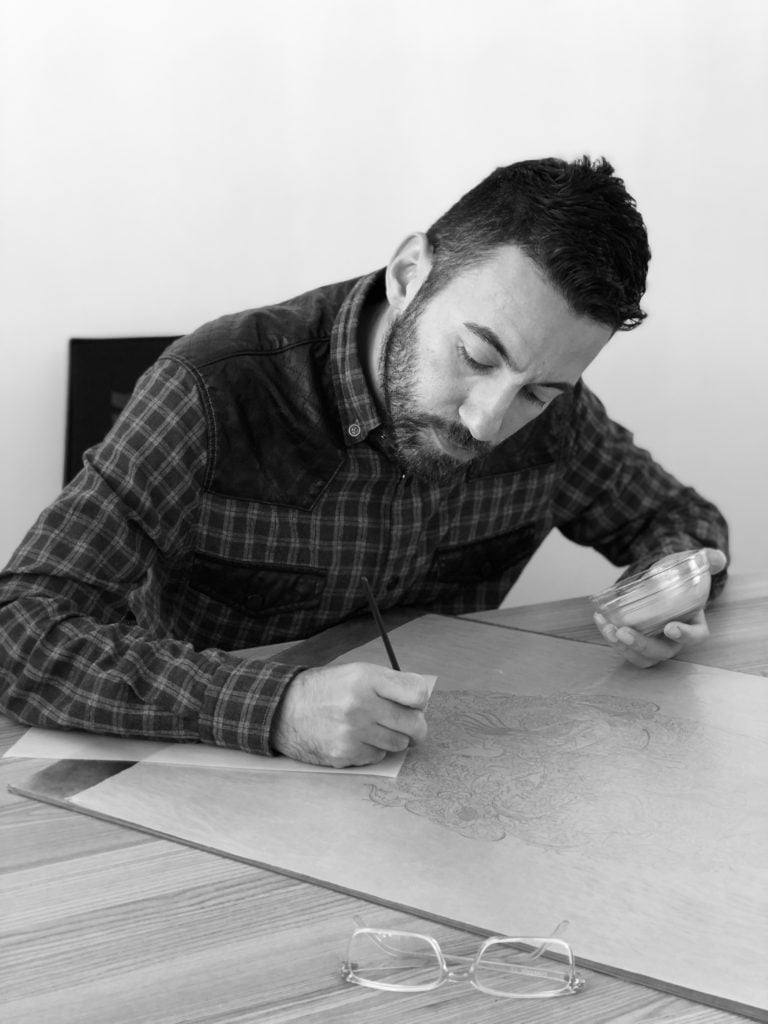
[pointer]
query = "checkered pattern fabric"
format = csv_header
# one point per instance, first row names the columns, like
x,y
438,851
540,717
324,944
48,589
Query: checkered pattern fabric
x,y
238,501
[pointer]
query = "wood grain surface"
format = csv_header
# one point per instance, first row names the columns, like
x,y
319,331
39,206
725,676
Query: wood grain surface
x,y
100,924
737,620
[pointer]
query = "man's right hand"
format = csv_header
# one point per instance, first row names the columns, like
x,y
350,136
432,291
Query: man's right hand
x,y
346,715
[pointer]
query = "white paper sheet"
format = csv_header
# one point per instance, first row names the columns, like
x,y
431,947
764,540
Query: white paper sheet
x,y
56,745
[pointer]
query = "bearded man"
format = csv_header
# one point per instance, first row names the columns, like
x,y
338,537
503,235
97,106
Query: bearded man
x,y
425,426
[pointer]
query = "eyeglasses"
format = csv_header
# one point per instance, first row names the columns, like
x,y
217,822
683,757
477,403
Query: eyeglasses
x,y
521,968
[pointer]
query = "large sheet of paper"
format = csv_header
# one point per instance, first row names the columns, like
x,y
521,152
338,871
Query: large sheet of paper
x,y
556,783
56,745
52,745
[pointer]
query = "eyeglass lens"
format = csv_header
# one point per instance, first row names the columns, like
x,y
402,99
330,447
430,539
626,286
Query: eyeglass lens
x,y
393,959
507,968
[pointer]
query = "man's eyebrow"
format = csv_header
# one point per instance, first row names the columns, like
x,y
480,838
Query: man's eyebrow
x,y
491,338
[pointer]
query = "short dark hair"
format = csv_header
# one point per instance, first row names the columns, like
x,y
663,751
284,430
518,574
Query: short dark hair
x,y
575,220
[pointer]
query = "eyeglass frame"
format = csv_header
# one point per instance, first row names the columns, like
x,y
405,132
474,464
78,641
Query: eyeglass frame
x,y
572,984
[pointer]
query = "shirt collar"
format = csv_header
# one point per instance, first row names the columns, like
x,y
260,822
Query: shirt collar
x,y
357,408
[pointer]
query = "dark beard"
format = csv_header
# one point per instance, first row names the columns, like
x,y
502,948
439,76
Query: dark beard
x,y
407,438
404,428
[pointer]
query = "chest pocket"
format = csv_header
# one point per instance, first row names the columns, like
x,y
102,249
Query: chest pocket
x,y
258,590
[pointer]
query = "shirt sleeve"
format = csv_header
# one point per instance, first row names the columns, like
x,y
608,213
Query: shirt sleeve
x,y
72,654
613,496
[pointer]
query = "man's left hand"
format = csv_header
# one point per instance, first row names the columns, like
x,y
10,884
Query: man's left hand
x,y
645,651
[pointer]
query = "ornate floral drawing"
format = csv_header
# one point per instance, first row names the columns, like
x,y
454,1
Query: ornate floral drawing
x,y
552,770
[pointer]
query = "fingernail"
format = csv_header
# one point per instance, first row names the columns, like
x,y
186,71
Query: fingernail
x,y
674,632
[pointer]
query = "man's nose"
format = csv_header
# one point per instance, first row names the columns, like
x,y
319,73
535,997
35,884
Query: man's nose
x,y
484,411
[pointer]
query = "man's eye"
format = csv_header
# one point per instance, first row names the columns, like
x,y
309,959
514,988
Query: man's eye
x,y
473,363
533,398
540,400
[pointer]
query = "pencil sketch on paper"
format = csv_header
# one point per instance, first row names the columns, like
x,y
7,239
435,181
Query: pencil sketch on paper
x,y
557,771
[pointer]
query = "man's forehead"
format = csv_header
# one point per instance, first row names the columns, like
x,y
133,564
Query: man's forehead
x,y
526,365
528,323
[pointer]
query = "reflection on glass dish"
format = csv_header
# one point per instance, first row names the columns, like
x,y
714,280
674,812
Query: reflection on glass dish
x,y
673,590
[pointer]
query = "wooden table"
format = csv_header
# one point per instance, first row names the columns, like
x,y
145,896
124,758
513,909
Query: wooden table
x,y
101,924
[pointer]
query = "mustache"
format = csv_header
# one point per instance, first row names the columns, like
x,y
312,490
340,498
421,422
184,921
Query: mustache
x,y
455,433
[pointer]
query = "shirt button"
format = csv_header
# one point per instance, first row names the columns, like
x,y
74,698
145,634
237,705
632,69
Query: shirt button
x,y
354,429
392,582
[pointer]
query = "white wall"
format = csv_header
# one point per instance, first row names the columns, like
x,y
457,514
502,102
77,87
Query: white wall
x,y
165,162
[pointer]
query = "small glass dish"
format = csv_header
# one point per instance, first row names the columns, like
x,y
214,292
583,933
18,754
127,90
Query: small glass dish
x,y
673,591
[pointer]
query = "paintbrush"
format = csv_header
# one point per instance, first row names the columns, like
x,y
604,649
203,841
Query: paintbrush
x,y
380,624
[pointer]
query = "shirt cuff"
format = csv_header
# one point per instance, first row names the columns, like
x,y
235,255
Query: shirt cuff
x,y
241,701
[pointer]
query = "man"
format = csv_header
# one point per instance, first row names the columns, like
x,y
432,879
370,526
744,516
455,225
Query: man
x,y
425,426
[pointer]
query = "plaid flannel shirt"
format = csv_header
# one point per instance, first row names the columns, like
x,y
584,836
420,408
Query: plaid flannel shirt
x,y
242,495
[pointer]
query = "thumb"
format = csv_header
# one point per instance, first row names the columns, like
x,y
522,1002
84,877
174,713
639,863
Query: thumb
x,y
717,560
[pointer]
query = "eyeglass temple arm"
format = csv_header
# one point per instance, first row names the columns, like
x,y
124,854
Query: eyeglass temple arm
x,y
556,932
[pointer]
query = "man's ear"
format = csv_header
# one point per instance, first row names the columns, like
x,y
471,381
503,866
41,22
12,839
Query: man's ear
x,y
407,270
